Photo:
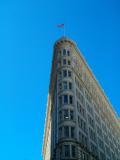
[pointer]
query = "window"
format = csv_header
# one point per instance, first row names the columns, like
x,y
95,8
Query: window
x,y
73,151
59,74
69,73
65,85
71,115
64,73
60,132
72,132
66,114
66,131
92,134
80,109
67,150
69,63
60,151
60,101
82,124
70,85
60,86
68,53
71,99
64,61
64,52
60,115
65,99
91,121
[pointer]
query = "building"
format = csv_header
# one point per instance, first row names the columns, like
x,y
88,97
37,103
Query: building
x,y
80,121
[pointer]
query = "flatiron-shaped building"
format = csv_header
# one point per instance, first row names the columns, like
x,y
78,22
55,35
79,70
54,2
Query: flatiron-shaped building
x,y
80,121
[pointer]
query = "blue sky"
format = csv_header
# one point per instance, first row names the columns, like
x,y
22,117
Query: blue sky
x,y
27,34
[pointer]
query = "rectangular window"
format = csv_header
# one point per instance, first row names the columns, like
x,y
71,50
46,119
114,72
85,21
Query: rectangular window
x,y
60,86
66,131
73,151
64,52
71,99
69,63
64,73
66,114
65,99
65,85
69,74
60,115
60,132
64,61
60,101
68,53
67,150
71,115
70,85
72,132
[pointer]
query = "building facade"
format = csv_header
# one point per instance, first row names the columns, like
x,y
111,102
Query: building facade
x,y
80,121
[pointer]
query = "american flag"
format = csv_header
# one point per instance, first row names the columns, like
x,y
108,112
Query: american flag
x,y
60,25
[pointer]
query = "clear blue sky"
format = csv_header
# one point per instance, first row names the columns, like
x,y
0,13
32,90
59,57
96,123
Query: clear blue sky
x,y
27,34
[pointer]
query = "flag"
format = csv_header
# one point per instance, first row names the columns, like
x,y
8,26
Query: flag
x,y
60,25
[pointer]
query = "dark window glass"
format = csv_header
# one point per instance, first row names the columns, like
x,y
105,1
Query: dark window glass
x,y
70,85
66,131
73,151
69,74
66,114
64,73
60,132
72,132
68,53
60,86
65,99
69,63
71,115
71,99
60,151
60,101
67,150
65,85
60,115
59,74
64,61
64,52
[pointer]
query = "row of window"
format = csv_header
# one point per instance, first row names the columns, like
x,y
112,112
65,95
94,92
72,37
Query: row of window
x,y
63,52
66,114
66,62
68,151
65,99
65,73
66,52
65,85
67,132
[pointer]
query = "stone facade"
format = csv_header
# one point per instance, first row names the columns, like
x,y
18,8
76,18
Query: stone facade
x,y
80,121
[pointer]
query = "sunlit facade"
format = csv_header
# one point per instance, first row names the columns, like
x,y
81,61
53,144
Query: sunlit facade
x,y
80,121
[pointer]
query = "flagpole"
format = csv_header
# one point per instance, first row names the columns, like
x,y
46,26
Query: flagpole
x,y
63,27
